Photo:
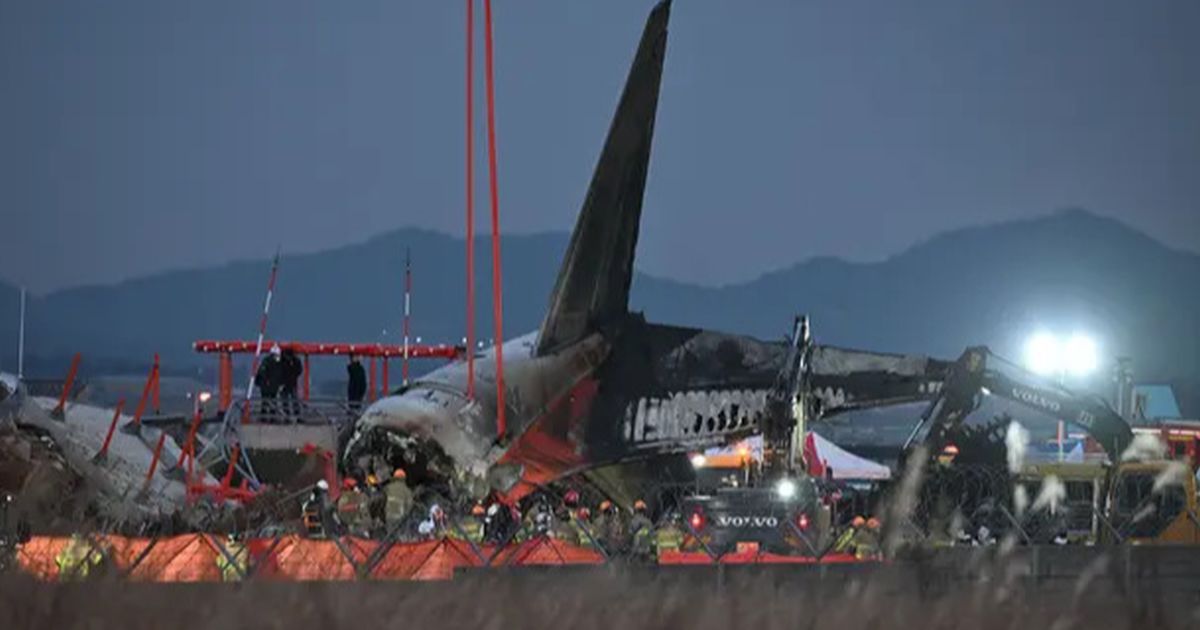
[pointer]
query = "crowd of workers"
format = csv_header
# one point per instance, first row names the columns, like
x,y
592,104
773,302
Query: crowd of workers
x,y
385,507
381,508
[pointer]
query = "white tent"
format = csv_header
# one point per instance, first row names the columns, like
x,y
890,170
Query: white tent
x,y
846,465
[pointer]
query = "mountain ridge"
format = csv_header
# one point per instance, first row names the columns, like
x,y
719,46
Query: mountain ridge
x,y
984,284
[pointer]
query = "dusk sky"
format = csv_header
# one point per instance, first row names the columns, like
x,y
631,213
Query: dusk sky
x,y
144,135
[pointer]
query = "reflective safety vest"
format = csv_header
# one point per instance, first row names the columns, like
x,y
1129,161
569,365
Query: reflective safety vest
x,y
311,514
564,531
233,563
399,501
77,559
609,530
866,544
668,538
352,509
844,542
642,531
586,534
472,530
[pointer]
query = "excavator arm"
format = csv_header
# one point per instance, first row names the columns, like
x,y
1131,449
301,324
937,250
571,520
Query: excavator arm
x,y
819,381
788,401
972,376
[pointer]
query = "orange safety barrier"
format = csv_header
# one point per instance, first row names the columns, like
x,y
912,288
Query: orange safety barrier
x,y
302,559
125,553
429,560
193,558
37,557
548,552
188,558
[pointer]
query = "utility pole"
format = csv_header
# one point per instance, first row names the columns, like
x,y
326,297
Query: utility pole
x,y
21,341
407,309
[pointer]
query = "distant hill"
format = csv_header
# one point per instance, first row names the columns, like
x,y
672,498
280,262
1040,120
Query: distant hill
x,y
992,285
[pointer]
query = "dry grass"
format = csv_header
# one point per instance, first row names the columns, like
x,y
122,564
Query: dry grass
x,y
607,598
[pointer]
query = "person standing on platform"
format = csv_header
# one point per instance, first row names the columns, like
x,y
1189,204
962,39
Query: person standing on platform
x,y
356,383
269,379
293,369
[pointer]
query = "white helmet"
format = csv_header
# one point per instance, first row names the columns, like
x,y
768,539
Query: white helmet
x,y
323,485
275,350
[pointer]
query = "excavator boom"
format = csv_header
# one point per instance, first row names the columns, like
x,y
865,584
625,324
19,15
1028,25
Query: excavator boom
x,y
975,374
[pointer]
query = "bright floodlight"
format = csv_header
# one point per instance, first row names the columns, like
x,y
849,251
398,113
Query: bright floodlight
x,y
205,397
786,488
1042,354
698,460
1079,355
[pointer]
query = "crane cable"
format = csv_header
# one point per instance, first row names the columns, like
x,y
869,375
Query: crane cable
x,y
497,289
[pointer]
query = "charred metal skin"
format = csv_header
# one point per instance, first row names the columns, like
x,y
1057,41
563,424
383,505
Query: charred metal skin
x,y
435,410
653,390
596,384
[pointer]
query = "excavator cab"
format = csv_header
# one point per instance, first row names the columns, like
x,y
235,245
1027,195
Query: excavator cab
x,y
1077,515
1153,503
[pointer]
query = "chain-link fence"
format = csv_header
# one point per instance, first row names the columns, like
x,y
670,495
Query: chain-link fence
x,y
357,534
383,530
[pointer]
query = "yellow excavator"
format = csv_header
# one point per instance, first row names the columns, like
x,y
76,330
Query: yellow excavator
x,y
1137,496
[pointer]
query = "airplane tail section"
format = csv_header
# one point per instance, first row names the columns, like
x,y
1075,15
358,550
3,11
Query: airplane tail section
x,y
593,283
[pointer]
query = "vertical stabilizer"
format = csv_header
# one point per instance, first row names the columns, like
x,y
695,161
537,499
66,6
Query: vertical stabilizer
x,y
593,284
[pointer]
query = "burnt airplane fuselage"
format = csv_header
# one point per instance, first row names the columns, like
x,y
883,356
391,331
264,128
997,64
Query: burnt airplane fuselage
x,y
596,384
638,391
